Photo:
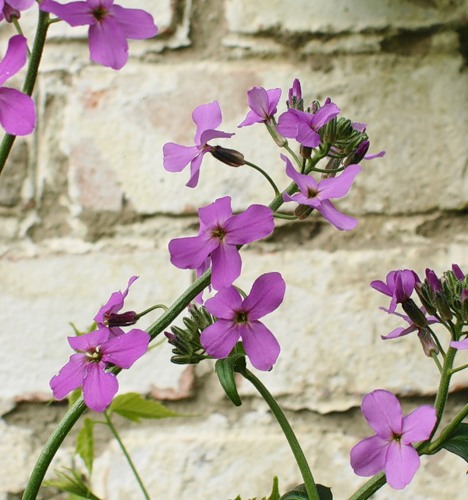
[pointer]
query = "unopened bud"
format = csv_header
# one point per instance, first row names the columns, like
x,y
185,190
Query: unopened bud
x,y
443,307
228,156
414,313
328,132
427,342
358,154
303,211
125,319
426,297
305,151
10,14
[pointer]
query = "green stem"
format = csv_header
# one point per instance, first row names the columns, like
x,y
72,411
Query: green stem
x,y
446,433
370,487
152,308
51,447
30,80
444,385
294,155
126,454
278,215
459,368
301,460
436,361
267,177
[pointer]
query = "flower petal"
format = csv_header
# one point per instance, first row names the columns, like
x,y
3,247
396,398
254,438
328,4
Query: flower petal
x,y
21,4
99,387
224,304
368,456
250,119
382,411
266,295
226,265
15,57
326,113
17,112
399,332
252,225
401,464
304,182
89,340
216,213
70,377
337,187
107,43
176,157
219,339
191,252
73,13
206,116
195,170
418,425
307,136
340,220
288,123
137,23
260,345
460,344
114,304
125,349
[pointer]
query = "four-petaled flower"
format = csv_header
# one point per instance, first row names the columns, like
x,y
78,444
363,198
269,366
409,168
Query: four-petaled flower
x,y
318,194
390,449
110,26
304,127
263,105
108,316
17,111
87,367
239,319
207,117
399,286
219,235
10,9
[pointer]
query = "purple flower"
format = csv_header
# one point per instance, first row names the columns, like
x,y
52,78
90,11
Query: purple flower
x,y
110,26
207,118
219,235
390,449
459,274
304,127
399,286
238,318
108,316
17,111
295,95
87,368
460,344
433,281
318,194
263,105
10,9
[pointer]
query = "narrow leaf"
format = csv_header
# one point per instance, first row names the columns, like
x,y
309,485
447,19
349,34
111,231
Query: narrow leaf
x,y
458,442
275,494
85,444
225,371
300,493
71,482
134,407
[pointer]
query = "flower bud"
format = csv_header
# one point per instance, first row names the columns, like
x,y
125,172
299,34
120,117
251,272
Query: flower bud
x,y
305,151
427,342
228,156
443,307
427,298
295,96
277,137
125,319
10,14
414,313
303,211
328,132
358,154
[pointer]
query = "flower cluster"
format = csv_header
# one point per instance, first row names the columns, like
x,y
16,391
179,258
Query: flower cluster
x,y
97,350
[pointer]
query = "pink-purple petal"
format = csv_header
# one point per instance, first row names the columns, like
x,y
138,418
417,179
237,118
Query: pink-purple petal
x,y
399,332
209,135
226,265
260,345
368,456
69,377
89,340
250,119
115,302
124,350
17,112
401,464
191,252
206,116
326,113
307,136
266,295
382,411
337,187
460,344
137,24
73,13
418,425
304,182
225,303
107,43
99,387
176,157
195,170
14,59
340,220
252,225
219,339
21,4
288,123
216,213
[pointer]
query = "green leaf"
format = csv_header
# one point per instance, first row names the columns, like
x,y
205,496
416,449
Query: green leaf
x,y
275,494
71,482
85,443
300,493
458,442
134,407
225,369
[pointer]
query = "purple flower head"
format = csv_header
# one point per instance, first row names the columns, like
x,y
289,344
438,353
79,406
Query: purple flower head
x,y
108,316
303,126
318,194
399,286
17,111
295,95
110,26
459,274
87,367
239,319
433,281
219,235
263,105
207,118
10,9
390,450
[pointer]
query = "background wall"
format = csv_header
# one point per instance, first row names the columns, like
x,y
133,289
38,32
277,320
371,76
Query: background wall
x,y
86,203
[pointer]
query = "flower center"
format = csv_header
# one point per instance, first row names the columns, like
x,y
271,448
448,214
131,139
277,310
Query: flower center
x,y
219,232
312,193
241,317
94,355
100,13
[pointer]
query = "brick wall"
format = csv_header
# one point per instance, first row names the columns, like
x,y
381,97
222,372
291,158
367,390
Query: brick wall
x,y
86,203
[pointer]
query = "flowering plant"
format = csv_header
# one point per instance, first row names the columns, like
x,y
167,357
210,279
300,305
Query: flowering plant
x,y
223,323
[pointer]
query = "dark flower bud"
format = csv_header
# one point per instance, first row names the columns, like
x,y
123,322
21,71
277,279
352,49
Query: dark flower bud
x,y
414,313
358,154
433,280
10,14
428,344
314,106
426,296
458,273
228,156
295,96
305,151
303,211
124,319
